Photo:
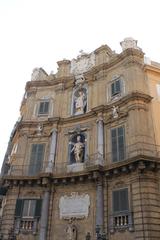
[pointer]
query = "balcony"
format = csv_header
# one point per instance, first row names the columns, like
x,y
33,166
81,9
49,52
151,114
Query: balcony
x,y
94,161
121,221
26,225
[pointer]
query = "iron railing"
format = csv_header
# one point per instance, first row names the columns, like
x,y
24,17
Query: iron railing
x,y
93,160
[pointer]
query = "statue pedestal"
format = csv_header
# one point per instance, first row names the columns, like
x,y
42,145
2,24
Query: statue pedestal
x,y
76,167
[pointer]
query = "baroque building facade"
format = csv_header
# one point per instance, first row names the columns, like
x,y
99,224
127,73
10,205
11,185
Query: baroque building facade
x,y
83,160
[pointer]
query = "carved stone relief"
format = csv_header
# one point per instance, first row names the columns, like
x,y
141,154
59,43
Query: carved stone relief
x,y
83,63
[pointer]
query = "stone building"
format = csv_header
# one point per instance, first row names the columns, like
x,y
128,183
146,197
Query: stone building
x,y
83,159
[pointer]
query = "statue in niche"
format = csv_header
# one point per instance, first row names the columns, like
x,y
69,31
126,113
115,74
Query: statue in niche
x,y
80,101
115,111
71,231
78,150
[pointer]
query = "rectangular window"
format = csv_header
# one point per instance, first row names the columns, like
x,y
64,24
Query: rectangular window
x,y
120,200
115,87
36,158
43,108
118,144
28,208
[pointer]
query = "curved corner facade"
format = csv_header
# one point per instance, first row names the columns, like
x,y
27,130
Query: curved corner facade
x,y
83,161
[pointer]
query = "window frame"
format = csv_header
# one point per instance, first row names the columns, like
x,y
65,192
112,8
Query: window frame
x,y
114,97
34,168
30,202
119,154
43,102
114,88
119,191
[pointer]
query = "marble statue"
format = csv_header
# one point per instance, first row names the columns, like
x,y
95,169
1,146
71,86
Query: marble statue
x,y
80,102
39,129
115,111
78,150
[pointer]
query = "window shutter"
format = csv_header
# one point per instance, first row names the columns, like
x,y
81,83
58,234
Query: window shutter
x,y
36,159
121,143
19,207
114,145
115,201
117,86
46,107
38,208
40,155
124,200
112,89
33,159
41,107
120,200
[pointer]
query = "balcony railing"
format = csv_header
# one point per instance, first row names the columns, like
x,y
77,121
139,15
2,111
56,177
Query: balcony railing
x,y
91,161
26,225
121,220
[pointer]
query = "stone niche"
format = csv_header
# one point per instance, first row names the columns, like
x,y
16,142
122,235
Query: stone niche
x,y
74,206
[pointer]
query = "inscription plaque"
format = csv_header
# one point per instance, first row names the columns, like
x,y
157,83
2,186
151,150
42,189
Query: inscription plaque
x,y
74,206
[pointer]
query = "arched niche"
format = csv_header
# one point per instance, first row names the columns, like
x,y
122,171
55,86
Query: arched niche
x,y
77,149
79,100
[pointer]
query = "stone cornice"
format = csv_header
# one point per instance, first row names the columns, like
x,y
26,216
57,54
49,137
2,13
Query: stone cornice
x,y
93,112
128,56
151,68
140,163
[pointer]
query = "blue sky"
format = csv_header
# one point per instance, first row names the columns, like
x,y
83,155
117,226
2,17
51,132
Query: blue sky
x,y
38,33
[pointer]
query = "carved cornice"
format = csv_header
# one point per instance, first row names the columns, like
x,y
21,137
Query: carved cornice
x,y
130,98
152,68
129,56
66,80
141,164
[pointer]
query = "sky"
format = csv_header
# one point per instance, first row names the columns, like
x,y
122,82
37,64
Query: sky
x,y
38,33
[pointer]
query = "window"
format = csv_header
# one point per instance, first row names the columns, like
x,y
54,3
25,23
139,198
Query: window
x,y
120,200
27,215
116,87
122,216
43,108
118,144
36,158
28,208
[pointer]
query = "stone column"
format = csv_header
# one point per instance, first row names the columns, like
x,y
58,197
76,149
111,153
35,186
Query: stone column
x,y
99,205
100,139
52,153
44,216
